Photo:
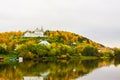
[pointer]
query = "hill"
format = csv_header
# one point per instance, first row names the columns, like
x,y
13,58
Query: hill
x,y
69,38
62,44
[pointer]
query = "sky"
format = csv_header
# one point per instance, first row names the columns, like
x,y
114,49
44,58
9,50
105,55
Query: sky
x,y
97,20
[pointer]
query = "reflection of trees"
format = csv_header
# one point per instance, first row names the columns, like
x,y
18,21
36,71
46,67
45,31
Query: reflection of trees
x,y
57,70
117,61
8,72
90,64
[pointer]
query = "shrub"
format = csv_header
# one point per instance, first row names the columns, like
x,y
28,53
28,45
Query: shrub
x,y
2,50
90,51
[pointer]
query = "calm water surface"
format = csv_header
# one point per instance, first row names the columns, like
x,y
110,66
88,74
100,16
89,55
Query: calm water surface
x,y
61,70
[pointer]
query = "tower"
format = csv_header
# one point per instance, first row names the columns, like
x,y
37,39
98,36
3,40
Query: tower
x,y
42,30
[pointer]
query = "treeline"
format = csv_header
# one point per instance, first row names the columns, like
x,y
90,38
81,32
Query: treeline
x,y
56,50
63,45
69,38
8,40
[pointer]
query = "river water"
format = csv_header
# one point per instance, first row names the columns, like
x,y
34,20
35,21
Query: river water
x,y
61,70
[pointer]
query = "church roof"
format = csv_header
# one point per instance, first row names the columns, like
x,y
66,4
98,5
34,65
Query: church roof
x,y
44,42
36,30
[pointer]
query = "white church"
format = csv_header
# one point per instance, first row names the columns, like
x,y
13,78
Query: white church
x,y
35,33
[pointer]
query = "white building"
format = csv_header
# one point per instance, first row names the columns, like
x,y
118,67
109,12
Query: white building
x,y
36,33
44,42
20,59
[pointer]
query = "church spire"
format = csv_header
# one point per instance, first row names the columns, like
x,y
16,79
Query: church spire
x,y
42,29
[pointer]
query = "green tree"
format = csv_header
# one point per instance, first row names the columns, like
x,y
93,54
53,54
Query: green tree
x,y
2,50
90,51
39,49
117,52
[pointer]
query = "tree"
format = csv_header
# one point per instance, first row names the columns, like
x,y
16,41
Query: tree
x,y
2,50
117,52
39,49
90,51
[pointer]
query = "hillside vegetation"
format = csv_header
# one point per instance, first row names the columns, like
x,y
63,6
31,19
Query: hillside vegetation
x,y
63,45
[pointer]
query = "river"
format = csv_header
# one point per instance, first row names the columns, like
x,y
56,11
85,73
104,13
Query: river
x,y
108,69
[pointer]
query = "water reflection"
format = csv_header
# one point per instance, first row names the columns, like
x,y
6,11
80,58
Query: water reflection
x,y
33,78
59,70
104,73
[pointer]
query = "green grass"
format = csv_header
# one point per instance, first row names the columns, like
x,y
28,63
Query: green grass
x,y
88,57
84,57
7,56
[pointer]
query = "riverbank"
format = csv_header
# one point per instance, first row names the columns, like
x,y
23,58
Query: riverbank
x,y
8,57
14,57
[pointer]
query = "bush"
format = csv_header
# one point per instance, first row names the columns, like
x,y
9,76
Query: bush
x,y
108,54
90,51
2,50
117,52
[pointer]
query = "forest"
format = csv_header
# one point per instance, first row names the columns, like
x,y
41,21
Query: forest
x,y
62,45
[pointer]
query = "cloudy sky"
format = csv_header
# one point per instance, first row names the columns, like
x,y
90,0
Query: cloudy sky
x,y
98,20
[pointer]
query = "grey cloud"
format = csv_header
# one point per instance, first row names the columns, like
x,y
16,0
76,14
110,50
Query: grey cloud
x,y
96,19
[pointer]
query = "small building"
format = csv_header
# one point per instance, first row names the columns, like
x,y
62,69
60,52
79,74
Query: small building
x,y
74,43
44,42
20,59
